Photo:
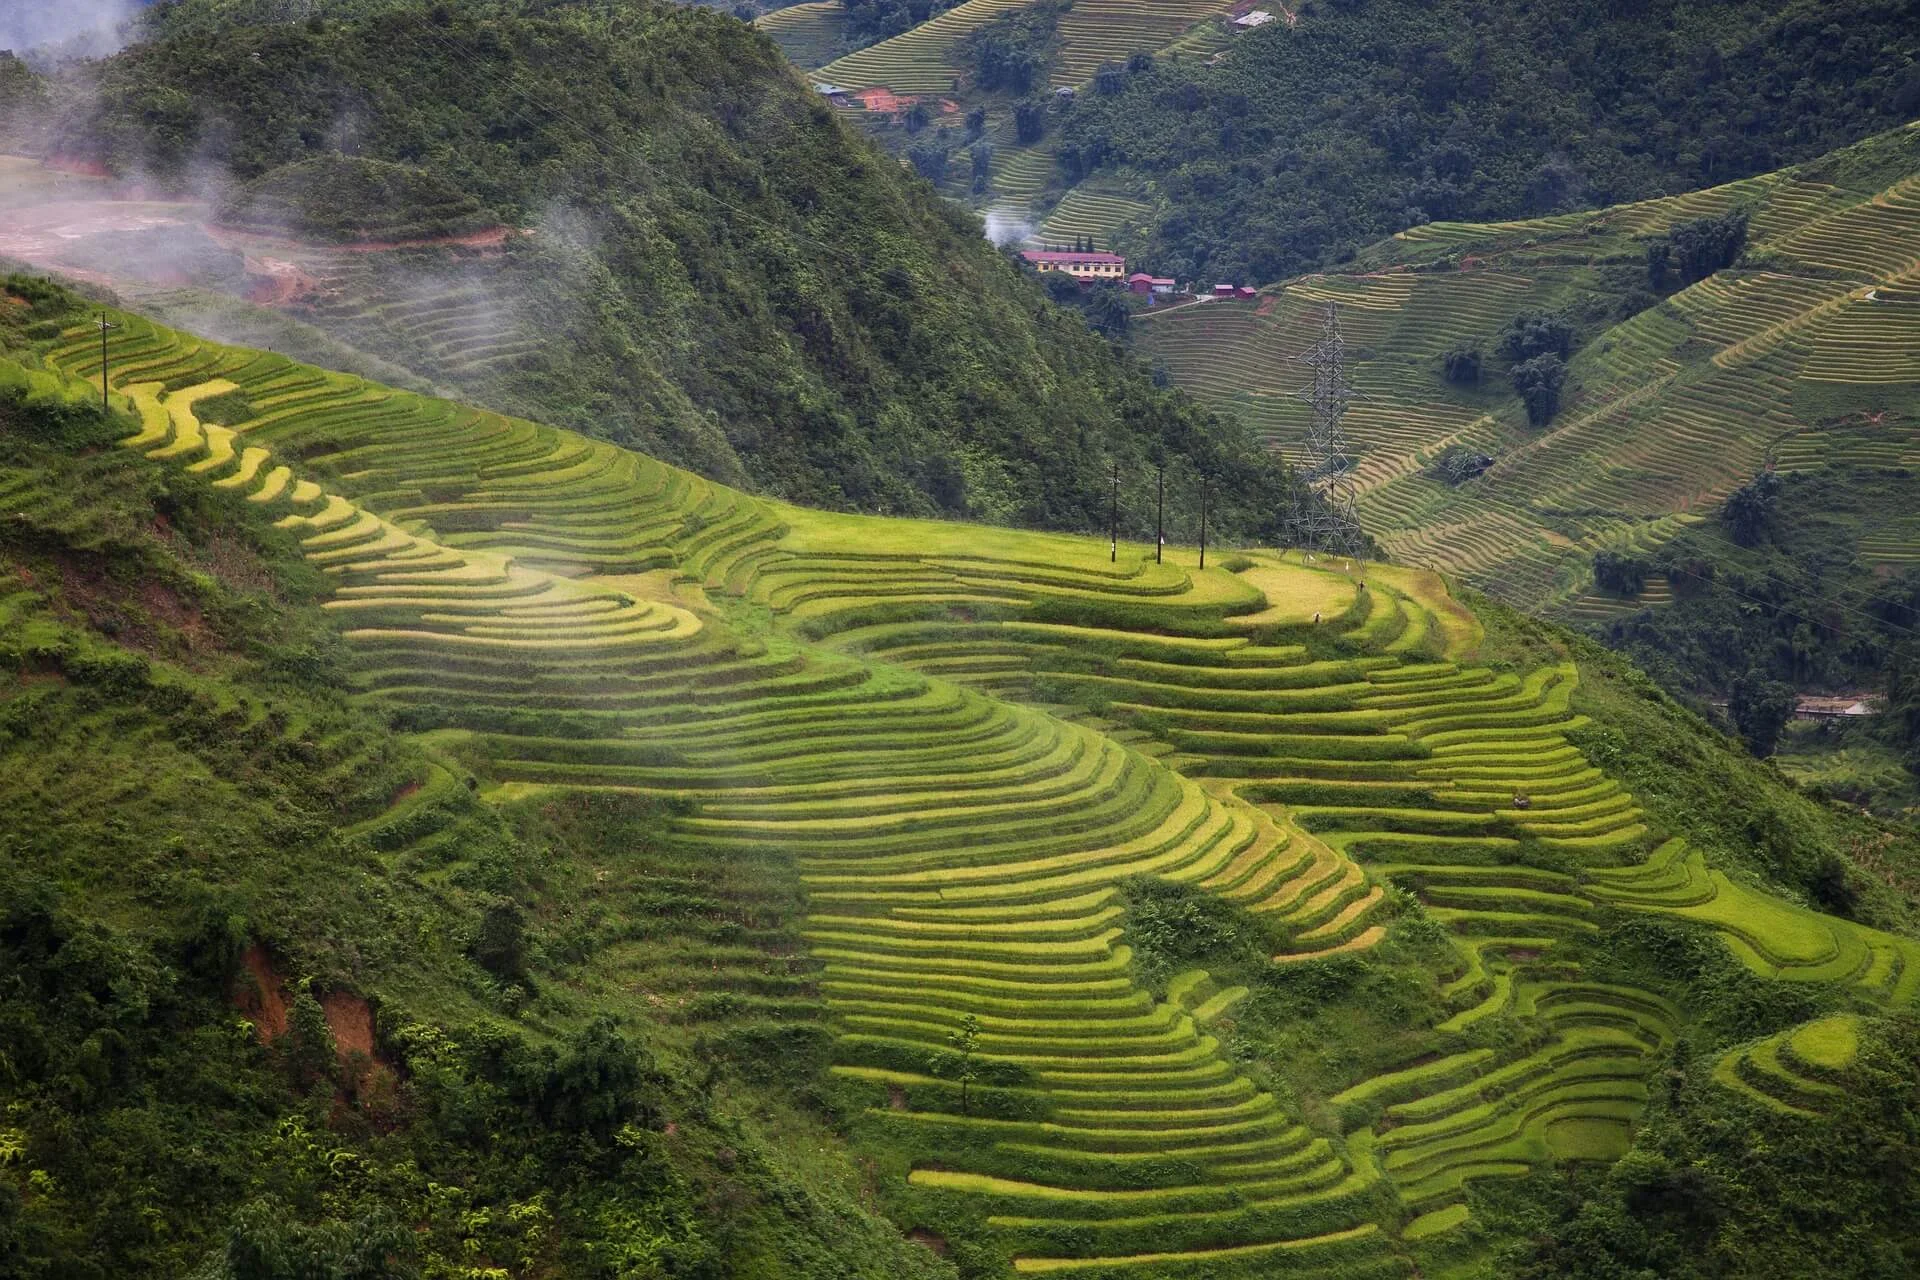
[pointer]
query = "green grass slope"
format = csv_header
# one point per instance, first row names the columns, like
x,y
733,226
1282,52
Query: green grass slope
x,y
1791,358
718,272
1129,918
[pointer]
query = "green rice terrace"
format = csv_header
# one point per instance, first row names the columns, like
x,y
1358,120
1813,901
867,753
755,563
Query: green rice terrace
x,y
1800,355
995,759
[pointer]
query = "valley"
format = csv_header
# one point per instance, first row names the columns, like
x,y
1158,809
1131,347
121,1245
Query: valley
x,y
695,642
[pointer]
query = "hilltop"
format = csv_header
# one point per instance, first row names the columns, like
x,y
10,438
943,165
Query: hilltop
x,y
1205,149
1790,356
693,257
620,845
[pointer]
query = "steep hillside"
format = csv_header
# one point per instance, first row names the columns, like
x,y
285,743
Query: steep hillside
x,y
1158,920
1795,357
278,997
953,90
715,270
1306,139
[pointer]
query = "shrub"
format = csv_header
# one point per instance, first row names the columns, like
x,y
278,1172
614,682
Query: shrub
x,y
1457,464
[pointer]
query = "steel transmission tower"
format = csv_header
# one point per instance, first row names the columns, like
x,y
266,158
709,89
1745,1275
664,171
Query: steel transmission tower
x,y
1328,524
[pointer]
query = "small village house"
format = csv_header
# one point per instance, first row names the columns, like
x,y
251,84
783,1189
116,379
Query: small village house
x,y
1141,282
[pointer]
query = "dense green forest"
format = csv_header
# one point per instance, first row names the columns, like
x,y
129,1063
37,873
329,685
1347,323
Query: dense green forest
x,y
1304,143
258,984
1773,597
720,273
1785,594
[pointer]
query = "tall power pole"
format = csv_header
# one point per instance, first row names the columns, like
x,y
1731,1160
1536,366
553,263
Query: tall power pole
x,y
1159,512
1113,517
1203,522
104,326
1327,519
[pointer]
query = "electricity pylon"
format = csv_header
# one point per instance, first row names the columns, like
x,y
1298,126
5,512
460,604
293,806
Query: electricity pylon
x,y
1326,471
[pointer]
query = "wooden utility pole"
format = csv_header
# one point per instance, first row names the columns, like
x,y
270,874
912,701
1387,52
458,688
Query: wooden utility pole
x,y
1159,513
104,326
1203,522
1113,517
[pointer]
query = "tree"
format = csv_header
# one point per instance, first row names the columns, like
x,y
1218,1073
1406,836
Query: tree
x,y
1659,265
1760,709
965,1042
1536,333
1622,575
1139,60
592,1084
981,154
1029,122
1110,79
1107,310
929,157
1705,245
917,117
976,122
1462,365
1538,382
1062,287
308,1045
1748,510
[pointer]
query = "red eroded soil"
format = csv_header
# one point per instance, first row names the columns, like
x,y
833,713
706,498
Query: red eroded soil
x,y
78,165
929,1239
264,1000
273,282
350,1018
240,238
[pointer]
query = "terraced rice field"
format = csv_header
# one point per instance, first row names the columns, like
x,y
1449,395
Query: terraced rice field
x,y
926,59
1096,32
809,34
1095,215
965,741
1665,413
1792,1073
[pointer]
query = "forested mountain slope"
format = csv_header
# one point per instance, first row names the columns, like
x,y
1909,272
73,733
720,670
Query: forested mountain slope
x,y
716,270
1129,918
1305,140
1792,350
